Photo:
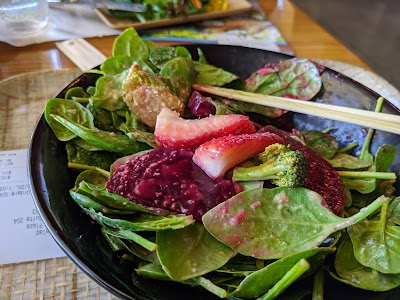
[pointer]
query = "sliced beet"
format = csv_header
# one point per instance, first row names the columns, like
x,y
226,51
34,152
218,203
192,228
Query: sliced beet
x,y
200,106
321,176
168,179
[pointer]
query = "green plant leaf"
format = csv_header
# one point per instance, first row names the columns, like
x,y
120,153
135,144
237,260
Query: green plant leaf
x,y
129,43
351,272
211,75
296,78
161,55
190,252
274,223
346,161
105,140
164,223
90,203
321,142
103,196
181,74
117,64
91,177
393,212
377,243
79,155
259,282
109,93
69,110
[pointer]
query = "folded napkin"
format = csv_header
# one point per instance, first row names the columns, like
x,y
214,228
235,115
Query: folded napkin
x,y
64,23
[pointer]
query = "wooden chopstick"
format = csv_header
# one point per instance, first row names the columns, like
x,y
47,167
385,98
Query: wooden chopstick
x,y
375,120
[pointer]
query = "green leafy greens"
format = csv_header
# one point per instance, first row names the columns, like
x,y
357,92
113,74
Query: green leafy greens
x,y
257,243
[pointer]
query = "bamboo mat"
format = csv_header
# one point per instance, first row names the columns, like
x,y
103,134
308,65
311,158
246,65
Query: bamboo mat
x,y
22,100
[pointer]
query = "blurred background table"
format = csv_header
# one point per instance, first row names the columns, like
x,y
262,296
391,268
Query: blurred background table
x,y
304,36
59,278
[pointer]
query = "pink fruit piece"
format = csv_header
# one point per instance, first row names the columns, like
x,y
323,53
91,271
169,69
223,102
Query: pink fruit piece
x,y
166,179
219,155
172,131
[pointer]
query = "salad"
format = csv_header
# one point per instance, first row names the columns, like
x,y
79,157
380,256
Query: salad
x,y
158,10
220,194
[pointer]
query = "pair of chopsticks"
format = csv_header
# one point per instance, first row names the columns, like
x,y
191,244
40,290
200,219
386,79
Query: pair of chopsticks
x,y
370,119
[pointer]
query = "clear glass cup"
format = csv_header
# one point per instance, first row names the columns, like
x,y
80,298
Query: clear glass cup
x,y
23,16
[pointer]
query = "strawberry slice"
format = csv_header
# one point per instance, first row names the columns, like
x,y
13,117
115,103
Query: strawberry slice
x,y
174,132
217,156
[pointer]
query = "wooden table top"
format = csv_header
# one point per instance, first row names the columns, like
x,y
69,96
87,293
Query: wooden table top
x,y
305,37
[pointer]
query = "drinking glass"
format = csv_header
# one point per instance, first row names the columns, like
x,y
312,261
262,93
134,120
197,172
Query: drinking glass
x,y
23,16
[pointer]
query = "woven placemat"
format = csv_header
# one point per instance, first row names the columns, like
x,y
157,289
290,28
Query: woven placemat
x,y
22,100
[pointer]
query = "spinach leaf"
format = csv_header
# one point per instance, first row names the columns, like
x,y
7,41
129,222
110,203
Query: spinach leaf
x,y
290,277
91,177
377,243
274,223
346,161
259,282
109,92
89,203
123,245
102,118
202,57
128,122
181,74
295,78
383,159
125,234
106,198
114,242
244,107
150,45
117,64
82,143
164,223
161,55
321,142
77,93
351,272
181,51
129,43
211,75
277,79
105,140
199,252
69,110
393,212
79,155
134,129
153,271
361,185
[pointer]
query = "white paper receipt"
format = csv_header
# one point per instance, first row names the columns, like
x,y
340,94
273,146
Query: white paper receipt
x,y
23,235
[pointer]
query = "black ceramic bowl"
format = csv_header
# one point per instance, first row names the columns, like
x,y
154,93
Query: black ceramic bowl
x,y
80,237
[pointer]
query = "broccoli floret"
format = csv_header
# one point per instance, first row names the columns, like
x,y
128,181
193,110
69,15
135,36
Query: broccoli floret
x,y
280,164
